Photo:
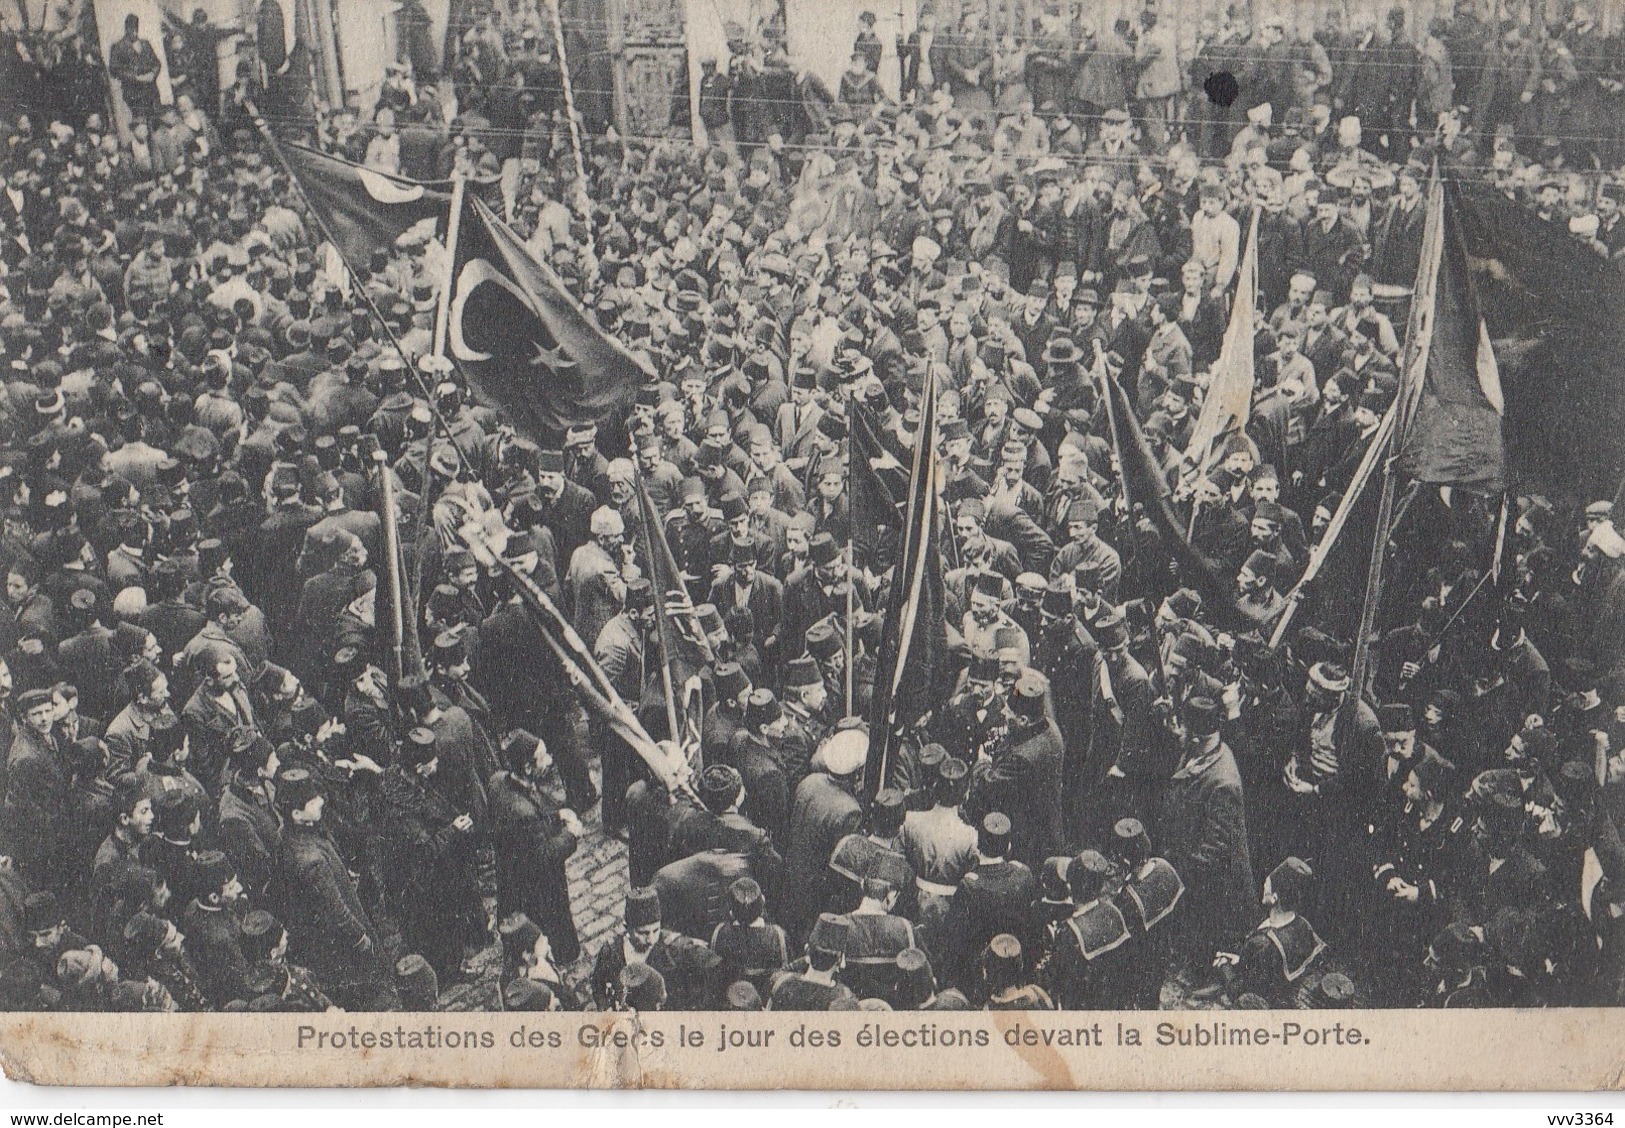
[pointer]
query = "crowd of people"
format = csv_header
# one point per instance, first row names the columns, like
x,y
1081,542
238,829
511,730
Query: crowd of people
x,y
224,788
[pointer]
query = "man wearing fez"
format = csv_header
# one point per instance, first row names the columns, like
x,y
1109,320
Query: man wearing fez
x,y
1330,776
532,838
689,967
1204,835
814,985
329,929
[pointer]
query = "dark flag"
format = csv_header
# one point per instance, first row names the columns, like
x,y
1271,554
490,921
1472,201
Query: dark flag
x,y
913,662
363,209
522,340
1146,489
1454,436
684,651
1555,309
876,486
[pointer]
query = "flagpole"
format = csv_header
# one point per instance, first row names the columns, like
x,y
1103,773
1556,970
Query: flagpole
x,y
454,225
851,583
907,584
1418,341
1212,420
1500,540
1103,376
646,510
400,350
1334,527
586,674
582,199
392,554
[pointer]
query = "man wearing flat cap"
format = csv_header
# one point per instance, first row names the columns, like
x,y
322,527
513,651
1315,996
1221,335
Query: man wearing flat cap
x,y
823,811
34,823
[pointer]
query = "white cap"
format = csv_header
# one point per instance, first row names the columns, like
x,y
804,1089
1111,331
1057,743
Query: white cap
x,y
606,522
843,753
1606,540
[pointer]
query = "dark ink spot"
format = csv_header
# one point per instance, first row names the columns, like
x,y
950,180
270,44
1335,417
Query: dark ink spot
x,y
1221,88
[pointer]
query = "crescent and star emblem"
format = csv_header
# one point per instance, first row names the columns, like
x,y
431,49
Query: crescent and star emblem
x,y
476,273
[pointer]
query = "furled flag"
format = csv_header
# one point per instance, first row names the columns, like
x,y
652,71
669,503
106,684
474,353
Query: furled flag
x,y
1147,491
364,210
684,651
876,486
1229,401
913,659
524,342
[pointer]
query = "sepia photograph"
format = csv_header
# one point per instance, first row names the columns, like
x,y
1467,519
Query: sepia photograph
x,y
609,507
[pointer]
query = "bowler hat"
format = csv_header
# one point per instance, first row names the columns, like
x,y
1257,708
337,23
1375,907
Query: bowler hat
x,y
1062,350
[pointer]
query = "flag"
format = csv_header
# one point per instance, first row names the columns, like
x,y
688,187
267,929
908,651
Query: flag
x,y
913,661
1454,436
525,344
691,724
1229,400
363,210
684,651
1146,489
876,487
1555,310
